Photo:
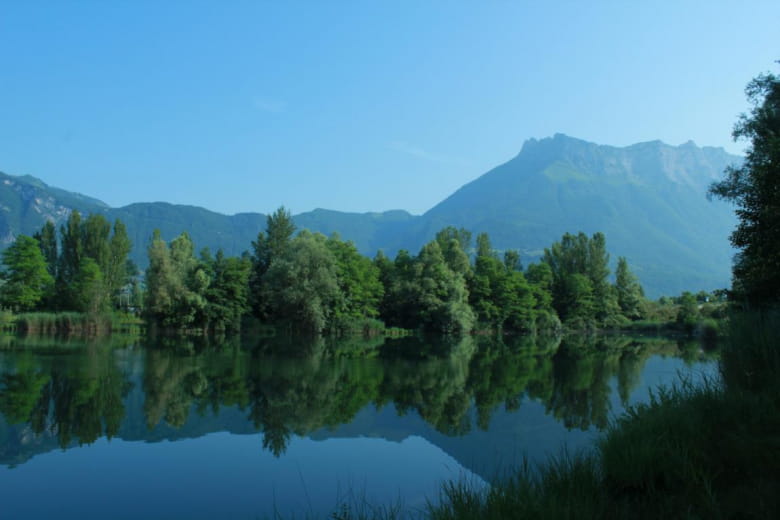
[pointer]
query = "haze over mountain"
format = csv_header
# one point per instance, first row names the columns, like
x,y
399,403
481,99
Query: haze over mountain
x,y
649,199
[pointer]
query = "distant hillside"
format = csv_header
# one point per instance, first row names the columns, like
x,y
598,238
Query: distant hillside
x,y
26,203
649,199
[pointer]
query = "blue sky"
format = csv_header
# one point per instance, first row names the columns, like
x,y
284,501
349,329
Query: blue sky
x,y
356,106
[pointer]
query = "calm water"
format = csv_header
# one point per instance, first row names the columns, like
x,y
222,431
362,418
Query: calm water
x,y
245,429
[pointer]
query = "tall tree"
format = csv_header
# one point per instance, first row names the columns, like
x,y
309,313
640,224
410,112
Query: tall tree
x,y
500,294
573,261
117,270
754,186
227,293
629,292
358,280
176,283
441,293
512,260
26,278
454,244
301,284
72,250
270,244
95,232
47,238
89,289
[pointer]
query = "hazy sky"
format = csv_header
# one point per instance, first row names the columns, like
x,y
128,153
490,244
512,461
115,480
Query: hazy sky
x,y
357,106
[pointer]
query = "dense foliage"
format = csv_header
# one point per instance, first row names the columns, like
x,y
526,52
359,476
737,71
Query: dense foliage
x,y
185,292
85,271
755,188
307,282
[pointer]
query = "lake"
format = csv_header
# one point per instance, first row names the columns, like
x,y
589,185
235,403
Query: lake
x,y
257,427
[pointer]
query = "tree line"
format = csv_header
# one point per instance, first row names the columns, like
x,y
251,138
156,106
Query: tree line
x,y
318,284
85,270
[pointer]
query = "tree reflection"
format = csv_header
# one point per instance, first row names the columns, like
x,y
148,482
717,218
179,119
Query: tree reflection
x,y
288,387
76,397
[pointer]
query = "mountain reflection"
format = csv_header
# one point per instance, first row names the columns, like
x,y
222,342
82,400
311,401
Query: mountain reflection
x,y
76,394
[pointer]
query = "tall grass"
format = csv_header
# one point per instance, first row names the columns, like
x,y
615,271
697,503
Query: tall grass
x,y
707,450
66,323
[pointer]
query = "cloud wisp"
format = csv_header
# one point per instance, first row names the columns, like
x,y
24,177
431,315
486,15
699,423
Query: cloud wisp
x,y
420,153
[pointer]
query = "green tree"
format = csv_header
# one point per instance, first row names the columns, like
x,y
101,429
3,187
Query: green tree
x,y
95,231
498,293
89,290
512,260
588,258
440,293
399,307
118,271
47,238
72,250
301,285
176,283
754,186
26,277
629,292
270,244
455,244
688,311
227,294
358,280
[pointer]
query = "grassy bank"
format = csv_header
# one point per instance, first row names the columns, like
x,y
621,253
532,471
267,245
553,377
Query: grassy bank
x,y
73,323
708,450
693,451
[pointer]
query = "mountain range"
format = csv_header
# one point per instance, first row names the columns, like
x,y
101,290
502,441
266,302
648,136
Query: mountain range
x,y
649,199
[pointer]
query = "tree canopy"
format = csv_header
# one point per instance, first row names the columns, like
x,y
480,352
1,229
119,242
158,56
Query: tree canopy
x,y
754,186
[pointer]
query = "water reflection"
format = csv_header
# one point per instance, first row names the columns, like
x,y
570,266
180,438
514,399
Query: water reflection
x,y
283,388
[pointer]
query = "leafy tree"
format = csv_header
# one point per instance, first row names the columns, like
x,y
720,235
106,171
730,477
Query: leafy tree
x,y
540,278
95,231
118,271
629,292
454,244
688,312
176,282
605,301
512,260
227,294
754,186
440,293
270,244
301,285
499,294
399,307
26,277
89,288
72,250
358,280
540,281
47,238
586,258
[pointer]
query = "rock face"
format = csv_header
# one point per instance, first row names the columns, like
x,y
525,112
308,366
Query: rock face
x,y
649,199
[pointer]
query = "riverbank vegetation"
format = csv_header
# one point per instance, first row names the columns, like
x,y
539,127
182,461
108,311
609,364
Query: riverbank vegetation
x,y
312,284
705,450
695,450
78,280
